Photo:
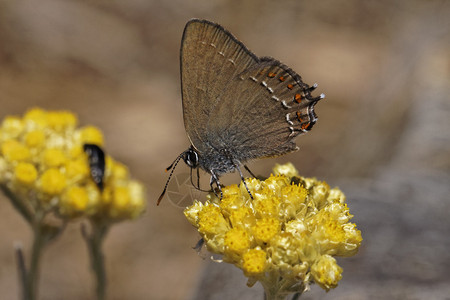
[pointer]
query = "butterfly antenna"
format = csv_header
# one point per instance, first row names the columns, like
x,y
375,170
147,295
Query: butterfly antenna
x,y
172,166
175,161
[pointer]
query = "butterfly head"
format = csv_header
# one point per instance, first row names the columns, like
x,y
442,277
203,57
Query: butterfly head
x,y
190,157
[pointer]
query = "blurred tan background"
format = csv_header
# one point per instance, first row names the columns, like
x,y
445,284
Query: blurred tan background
x,y
382,135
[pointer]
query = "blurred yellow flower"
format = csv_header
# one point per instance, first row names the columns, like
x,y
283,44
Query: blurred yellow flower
x,y
52,182
91,135
42,162
53,157
13,150
286,236
25,173
34,139
50,166
75,199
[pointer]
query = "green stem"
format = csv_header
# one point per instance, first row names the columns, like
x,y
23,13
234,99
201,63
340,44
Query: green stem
x,y
22,269
23,209
272,289
42,235
95,242
32,278
278,288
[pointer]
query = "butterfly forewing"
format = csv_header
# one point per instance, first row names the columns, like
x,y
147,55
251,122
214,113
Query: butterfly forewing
x,y
210,58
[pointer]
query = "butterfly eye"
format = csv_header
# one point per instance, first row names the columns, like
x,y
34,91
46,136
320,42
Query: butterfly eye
x,y
191,158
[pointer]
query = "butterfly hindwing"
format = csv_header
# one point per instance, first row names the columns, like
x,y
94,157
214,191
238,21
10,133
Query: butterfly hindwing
x,y
268,108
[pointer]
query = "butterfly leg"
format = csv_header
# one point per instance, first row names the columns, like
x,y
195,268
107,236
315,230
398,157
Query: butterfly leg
x,y
248,170
215,179
243,179
198,180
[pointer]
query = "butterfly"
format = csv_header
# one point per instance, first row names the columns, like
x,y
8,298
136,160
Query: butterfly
x,y
236,106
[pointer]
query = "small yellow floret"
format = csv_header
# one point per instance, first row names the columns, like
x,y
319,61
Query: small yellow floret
x,y
211,220
191,212
25,173
11,127
121,198
91,135
319,193
35,138
232,198
267,205
326,272
236,240
125,201
118,170
254,262
53,182
335,231
294,194
37,117
137,199
60,120
76,151
77,169
54,158
75,199
287,169
327,230
242,217
15,151
265,229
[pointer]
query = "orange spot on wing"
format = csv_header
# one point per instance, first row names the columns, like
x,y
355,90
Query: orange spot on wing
x,y
271,75
282,78
290,86
305,126
297,98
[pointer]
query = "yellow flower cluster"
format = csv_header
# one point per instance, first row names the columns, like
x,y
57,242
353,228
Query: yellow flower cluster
x,y
288,233
44,167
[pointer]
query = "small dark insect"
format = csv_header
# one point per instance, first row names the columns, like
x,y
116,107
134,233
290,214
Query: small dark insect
x,y
96,163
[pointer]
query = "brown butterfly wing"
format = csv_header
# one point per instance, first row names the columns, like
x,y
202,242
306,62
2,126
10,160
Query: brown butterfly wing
x,y
232,100
264,109
210,58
